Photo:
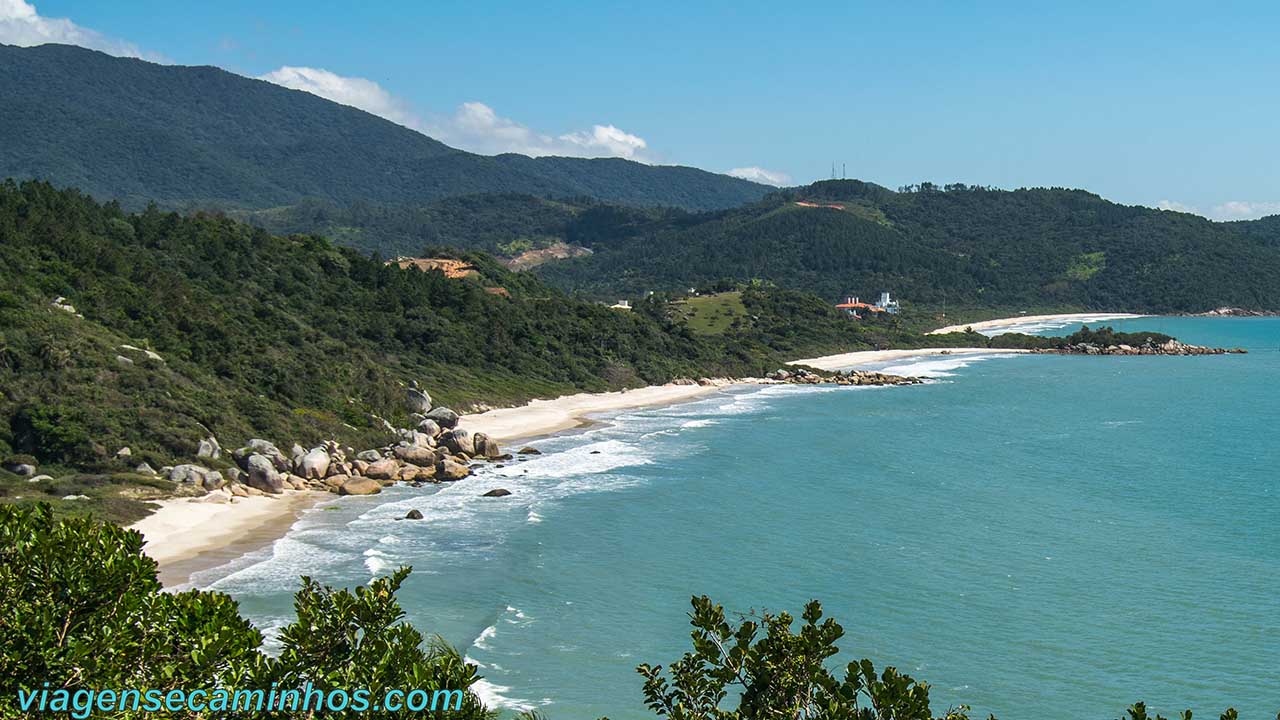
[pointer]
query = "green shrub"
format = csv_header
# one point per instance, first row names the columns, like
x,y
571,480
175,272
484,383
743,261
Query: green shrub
x,y
81,608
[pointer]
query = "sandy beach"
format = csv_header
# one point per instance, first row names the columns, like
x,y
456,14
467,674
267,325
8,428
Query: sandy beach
x,y
1005,323
543,417
185,537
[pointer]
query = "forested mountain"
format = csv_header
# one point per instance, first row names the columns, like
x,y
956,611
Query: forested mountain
x,y
200,137
966,246
497,223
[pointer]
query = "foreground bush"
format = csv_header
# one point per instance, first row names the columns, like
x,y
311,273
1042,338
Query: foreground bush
x,y
771,672
81,608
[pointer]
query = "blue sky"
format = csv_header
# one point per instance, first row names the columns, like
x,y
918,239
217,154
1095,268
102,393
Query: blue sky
x,y
1163,104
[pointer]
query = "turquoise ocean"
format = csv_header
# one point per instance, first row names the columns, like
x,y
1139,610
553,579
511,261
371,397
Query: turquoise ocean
x,y
1036,536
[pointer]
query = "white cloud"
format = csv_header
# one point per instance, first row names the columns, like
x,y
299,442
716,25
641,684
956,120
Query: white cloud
x,y
359,93
474,126
21,25
1229,210
607,140
760,175
477,127
1244,210
1176,206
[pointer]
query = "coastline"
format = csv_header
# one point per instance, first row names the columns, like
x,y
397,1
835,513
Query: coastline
x,y
544,417
868,357
1005,323
186,537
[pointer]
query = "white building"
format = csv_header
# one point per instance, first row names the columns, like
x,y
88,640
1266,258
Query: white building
x,y
887,303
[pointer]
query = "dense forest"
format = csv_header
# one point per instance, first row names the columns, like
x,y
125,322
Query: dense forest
x,y
495,223
963,246
189,137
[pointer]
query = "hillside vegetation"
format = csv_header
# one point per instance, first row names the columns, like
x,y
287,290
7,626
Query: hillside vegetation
x,y
203,137
965,246
251,333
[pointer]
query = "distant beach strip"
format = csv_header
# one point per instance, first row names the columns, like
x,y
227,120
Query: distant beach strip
x,y
1032,323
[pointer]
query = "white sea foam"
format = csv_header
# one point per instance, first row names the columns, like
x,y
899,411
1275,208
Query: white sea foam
x,y
1034,327
494,695
936,368
482,642
589,459
377,561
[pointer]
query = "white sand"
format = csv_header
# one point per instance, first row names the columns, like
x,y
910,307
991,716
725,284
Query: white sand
x,y
185,536
845,361
1006,323
543,417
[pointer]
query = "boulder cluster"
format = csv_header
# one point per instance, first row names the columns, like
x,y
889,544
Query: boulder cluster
x,y
434,450
850,377
1235,312
1150,347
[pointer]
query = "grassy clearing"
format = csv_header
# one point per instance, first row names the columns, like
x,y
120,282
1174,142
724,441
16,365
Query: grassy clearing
x,y
121,498
711,314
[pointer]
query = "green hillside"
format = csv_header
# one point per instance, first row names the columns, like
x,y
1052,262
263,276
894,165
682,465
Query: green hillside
x,y
202,137
964,246
256,334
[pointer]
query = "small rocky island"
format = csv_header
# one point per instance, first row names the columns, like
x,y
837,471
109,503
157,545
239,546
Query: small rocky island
x,y
1149,347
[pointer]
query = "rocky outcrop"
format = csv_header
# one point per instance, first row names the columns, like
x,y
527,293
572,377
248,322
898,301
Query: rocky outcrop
x,y
458,441
188,474
485,446
450,469
261,473
20,467
433,450
1235,312
209,448
1150,347
385,469
421,456
414,514
498,492
264,448
527,450
360,486
801,376
314,464
213,480
444,417
417,400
